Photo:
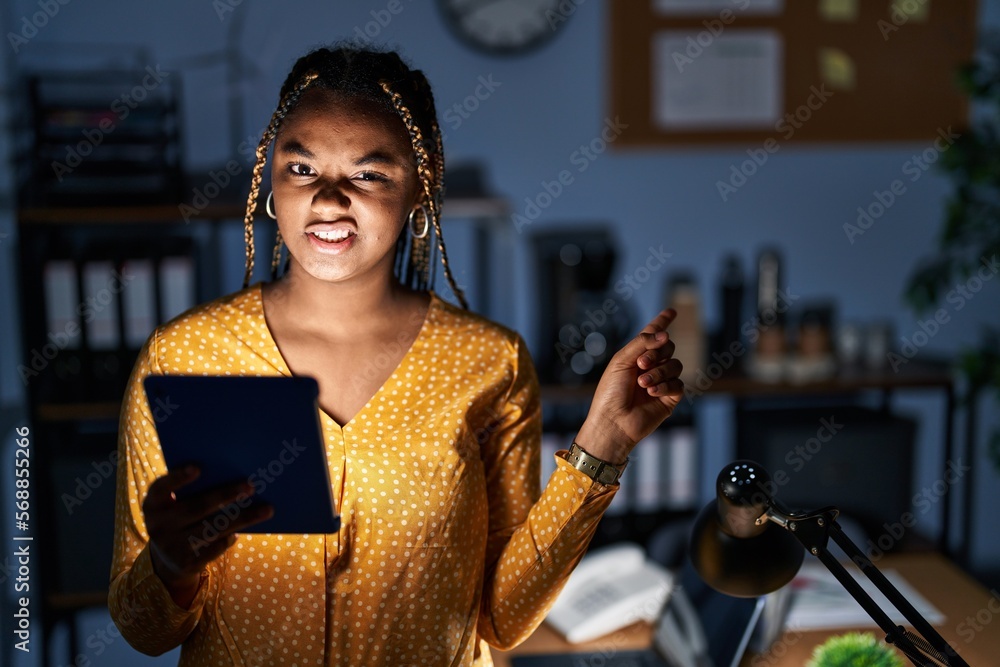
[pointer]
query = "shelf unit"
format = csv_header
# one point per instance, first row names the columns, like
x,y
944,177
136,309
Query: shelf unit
x,y
102,136
852,383
918,374
747,393
74,399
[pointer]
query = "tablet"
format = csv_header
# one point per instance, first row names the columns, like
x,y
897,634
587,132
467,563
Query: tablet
x,y
265,430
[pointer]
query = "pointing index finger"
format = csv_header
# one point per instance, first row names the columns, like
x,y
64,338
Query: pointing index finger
x,y
661,321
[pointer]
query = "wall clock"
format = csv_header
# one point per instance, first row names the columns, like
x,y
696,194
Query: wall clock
x,y
509,27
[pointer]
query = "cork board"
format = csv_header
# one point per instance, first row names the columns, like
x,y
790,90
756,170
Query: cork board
x,y
832,70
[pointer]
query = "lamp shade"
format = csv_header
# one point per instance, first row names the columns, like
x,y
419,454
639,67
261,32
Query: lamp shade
x,y
729,550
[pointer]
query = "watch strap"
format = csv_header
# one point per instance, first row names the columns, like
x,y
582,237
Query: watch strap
x,y
598,470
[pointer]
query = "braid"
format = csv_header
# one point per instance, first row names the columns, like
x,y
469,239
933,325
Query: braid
x,y
430,175
424,172
288,100
276,256
439,159
421,262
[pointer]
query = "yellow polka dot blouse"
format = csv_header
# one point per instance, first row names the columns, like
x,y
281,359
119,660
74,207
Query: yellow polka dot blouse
x,y
447,546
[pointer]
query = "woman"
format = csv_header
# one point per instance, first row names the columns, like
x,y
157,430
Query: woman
x,y
430,414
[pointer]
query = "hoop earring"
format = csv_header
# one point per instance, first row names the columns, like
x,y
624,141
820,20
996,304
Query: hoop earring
x,y
269,205
427,222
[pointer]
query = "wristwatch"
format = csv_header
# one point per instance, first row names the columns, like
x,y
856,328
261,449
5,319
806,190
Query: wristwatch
x,y
593,467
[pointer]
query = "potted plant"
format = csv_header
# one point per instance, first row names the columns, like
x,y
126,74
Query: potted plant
x,y
854,649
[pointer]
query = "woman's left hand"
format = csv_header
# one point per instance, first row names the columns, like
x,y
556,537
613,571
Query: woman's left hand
x,y
638,390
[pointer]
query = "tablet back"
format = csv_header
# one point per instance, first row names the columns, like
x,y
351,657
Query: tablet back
x,y
262,429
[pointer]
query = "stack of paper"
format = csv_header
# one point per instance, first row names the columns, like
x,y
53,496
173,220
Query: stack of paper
x,y
819,601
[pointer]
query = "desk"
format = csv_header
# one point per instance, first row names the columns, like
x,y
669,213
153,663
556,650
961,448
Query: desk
x,y
953,592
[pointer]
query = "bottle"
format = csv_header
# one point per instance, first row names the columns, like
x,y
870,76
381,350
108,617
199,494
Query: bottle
x,y
687,331
813,359
731,299
770,354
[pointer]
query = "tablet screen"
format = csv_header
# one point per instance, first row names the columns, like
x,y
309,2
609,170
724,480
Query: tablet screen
x,y
265,430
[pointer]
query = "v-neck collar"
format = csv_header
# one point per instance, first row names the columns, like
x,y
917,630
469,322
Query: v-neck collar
x,y
258,298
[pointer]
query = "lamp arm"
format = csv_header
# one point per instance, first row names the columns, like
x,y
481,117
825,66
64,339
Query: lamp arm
x,y
813,531
945,653
893,634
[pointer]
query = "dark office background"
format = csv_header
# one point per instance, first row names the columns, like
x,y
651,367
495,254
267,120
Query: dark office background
x,y
546,104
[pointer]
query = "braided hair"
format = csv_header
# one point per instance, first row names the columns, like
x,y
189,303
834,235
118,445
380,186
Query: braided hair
x,y
383,79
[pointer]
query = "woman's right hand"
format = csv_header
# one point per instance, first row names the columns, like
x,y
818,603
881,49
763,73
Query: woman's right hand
x,y
183,538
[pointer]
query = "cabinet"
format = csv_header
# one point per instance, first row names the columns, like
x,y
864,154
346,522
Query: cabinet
x,y
99,174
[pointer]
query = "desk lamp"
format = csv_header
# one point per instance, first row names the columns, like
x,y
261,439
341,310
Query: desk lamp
x,y
745,544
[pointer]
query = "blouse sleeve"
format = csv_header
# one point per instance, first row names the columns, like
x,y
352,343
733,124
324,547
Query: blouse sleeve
x,y
535,539
139,602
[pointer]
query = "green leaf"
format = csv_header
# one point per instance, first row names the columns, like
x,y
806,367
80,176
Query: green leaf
x,y
981,365
854,649
925,283
966,79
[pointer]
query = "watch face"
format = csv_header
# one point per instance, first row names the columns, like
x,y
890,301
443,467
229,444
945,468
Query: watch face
x,y
506,26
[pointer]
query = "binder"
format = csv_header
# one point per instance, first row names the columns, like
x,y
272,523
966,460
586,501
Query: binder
x,y
681,450
648,479
177,289
139,301
62,321
100,307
